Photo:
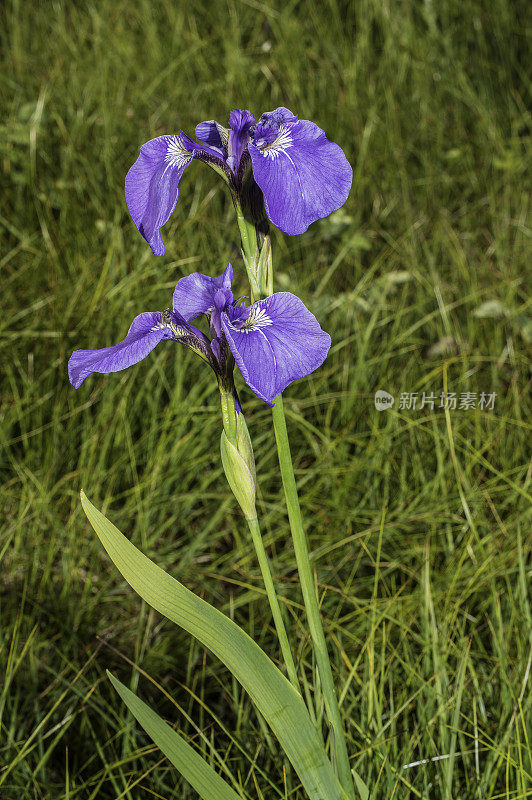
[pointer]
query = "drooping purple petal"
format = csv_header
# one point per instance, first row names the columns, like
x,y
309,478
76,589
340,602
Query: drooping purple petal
x,y
195,293
152,186
303,176
145,333
279,342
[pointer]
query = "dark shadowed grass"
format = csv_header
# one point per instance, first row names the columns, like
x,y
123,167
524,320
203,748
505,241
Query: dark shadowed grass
x,y
419,521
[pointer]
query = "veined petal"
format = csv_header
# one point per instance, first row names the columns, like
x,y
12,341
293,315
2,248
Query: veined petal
x,y
271,120
152,186
195,293
199,150
303,176
240,122
280,341
213,134
145,333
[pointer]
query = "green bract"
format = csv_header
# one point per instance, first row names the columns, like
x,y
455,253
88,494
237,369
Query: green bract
x,y
238,477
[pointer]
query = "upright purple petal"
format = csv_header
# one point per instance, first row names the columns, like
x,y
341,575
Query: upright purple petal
x,y
303,176
146,331
195,293
152,186
240,122
212,133
279,342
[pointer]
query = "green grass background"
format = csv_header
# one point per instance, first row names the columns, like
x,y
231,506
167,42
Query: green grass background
x,y
419,524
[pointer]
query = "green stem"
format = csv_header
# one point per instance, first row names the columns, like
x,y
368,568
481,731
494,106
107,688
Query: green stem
x,y
248,236
300,540
310,598
247,233
274,602
235,430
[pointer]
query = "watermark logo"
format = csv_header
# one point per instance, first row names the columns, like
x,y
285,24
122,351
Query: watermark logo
x,y
383,400
416,401
485,401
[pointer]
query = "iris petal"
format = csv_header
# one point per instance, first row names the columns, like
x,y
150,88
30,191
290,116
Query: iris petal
x,y
152,186
198,150
213,134
145,333
303,176
279,342
240,122
195,293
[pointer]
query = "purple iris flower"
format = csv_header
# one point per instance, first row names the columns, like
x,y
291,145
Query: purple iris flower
x,y
281,165
273,342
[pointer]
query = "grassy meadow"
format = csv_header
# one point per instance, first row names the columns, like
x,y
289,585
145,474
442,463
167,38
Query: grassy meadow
x,y
418,518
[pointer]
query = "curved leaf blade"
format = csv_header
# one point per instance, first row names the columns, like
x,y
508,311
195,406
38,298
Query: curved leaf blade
x,y
274,696
201,776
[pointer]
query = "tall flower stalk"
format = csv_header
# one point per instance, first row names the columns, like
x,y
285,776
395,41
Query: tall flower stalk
x,y
239,466
284,171
302,555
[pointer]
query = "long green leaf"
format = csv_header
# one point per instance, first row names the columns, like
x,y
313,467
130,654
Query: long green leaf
x,y
276,699
190,764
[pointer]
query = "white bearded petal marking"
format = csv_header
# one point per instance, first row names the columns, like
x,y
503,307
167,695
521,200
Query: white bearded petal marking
x,y
161,326
176,153
279,145
257,319
166,324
